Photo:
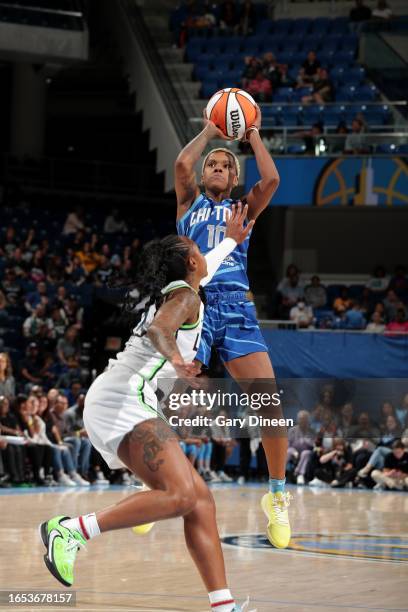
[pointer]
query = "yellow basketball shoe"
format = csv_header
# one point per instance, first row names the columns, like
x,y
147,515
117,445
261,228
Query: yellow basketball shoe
x,y
275,507
143,529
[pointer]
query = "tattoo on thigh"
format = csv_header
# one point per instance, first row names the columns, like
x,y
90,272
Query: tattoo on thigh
x,y
152,437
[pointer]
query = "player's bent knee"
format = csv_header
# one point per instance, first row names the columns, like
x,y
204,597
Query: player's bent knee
x,y
184,500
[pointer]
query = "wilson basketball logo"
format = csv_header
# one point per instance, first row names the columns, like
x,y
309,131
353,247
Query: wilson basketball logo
x,y
233,111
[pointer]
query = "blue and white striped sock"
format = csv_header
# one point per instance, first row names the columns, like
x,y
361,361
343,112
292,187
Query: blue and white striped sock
x,y
276,485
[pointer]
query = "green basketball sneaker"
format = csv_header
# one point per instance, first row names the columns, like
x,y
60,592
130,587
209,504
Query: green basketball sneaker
x,y
62,545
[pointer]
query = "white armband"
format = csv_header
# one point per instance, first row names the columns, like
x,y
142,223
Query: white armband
x,y
216,256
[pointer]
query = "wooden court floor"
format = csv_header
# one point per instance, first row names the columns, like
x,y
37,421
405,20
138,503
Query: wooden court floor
x,y
349,553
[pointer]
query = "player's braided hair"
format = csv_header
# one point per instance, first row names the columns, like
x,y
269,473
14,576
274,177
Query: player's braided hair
x,y
161,262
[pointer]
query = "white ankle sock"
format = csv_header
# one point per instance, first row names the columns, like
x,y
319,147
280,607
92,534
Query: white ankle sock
x,y
87,525
221,601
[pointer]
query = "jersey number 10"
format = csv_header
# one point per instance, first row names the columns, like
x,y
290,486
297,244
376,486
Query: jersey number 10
x,y
215,235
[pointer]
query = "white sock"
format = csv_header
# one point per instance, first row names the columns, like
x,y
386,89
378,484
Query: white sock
x,y
87,525
221,601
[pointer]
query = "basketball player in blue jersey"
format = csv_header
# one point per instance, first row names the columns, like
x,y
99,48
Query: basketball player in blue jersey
x,y
230,322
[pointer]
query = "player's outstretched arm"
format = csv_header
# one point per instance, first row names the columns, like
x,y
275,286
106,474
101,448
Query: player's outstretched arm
x,y
184,170
261,193
181,306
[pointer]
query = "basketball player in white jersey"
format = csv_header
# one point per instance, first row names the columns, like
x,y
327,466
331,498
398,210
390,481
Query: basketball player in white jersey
x,y
126,425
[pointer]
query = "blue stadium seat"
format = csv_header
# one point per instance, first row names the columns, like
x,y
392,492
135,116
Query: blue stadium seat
x,y
366,93
285,57
311,116
327,58
332,117
203,73
329,45
208,88
403,149
302,25
238,63
349,42
271,43
345,56
228,58
283,26
205,59
298,58
312,42
387,149
251,48
194,50
214,45
296,149
346,93
320,25
290,47
339,25
231,78
374,117
264,27
284,94
302,91
232,45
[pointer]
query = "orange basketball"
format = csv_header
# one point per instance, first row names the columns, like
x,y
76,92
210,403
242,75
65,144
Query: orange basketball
x,y
233,111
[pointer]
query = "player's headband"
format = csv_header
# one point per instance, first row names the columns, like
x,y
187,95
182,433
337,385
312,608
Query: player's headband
x,y
222,150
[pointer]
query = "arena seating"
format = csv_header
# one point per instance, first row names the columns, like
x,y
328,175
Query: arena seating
x,y
219,61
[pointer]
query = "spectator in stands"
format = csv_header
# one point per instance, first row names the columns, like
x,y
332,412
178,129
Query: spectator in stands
x,y
387,409
398,324
399,282
311,137
74,433
74,311
379,280
68,347
365,428
37,297
376,325
285,80
301,442
333,466
75,221
325,403
342,303
273,141
247,18
4,477
9,243
394,475
301,314
290,289
14,454
322,89
382,12
355,140
7,381
4,316
104,271
32,366
260,88
309,70
223,446
37,320
59,321
55,269
74,271
114,223
88,257
391,304
315,293
18,263
11,287
271,69
228,16
346,420
353,318
358,15
402,412
252,67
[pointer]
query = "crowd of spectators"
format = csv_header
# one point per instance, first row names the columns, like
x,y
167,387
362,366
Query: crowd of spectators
x,y
378,307
263,76
335,446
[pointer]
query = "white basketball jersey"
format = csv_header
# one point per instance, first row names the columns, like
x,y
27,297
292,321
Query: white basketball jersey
x,y
141,356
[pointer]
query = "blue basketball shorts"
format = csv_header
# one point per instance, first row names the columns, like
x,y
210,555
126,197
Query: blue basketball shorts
x,y
231,326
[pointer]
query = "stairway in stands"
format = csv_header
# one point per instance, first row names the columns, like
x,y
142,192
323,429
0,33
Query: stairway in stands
x,y
156,14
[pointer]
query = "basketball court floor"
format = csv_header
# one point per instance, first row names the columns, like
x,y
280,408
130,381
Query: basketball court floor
x,y
349,552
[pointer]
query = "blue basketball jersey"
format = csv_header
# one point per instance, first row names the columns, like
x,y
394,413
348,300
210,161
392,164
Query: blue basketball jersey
x,y
204,222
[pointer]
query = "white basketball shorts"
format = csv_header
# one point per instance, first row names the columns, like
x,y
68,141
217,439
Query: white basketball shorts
x,y
117,400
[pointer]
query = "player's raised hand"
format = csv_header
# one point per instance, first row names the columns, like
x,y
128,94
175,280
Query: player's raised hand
x,y
212,130
235,223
